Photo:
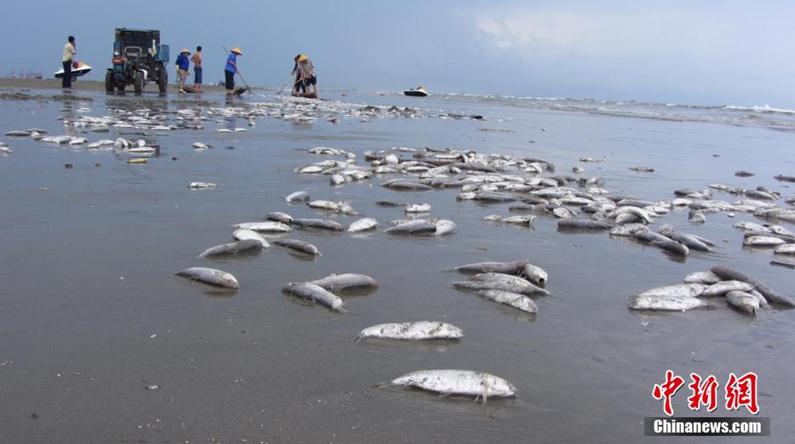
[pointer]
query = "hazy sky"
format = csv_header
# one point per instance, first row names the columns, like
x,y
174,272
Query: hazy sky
x,y
705,52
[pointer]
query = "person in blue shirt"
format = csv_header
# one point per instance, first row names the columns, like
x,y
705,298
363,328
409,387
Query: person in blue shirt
x,y
231,69
183,64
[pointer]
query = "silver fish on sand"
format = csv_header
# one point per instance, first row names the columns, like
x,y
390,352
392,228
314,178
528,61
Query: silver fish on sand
x,y
346,281
515,300
743,302
210,276
265,227
298,196
246,234
458,382
232,248
413,331
364,224
315,294
298,246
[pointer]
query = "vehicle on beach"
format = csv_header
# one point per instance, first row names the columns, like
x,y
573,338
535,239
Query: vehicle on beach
x,y
138,58
81,70
416,92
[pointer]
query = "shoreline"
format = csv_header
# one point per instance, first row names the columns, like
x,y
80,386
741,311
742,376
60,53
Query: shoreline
x,y
86,85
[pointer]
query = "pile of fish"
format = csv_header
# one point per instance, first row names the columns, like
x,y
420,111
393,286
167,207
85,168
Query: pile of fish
x,y
323,291
778,238
530,189
740,291
509,283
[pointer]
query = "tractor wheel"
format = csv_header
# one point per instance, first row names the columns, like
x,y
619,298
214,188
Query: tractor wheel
x,y
163,81
138,82
109,82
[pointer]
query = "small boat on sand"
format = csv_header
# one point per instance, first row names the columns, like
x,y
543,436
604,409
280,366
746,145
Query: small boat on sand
x,y
81,70
416,92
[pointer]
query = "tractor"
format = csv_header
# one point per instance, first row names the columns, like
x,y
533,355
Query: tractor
x,y
138,58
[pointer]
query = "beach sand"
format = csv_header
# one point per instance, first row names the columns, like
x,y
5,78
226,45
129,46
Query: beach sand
x,y
92,314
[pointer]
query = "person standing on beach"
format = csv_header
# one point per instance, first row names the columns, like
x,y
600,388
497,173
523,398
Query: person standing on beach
x,y
69,53
231,69
306,71
298,86
183,64
197,69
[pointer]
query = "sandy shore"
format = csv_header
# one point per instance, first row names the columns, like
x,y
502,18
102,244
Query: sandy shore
x,y
84,85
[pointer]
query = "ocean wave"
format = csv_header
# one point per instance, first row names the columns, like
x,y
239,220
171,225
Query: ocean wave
x,y
766,109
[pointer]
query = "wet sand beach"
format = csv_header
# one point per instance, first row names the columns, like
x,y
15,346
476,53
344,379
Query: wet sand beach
x,y
100,342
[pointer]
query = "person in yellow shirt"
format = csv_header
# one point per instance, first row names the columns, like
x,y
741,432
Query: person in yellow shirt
x,y
69,52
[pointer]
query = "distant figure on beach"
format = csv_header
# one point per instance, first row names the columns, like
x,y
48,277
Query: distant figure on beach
x,y
305,77
197,69
231,69
183,64
297,85
69,52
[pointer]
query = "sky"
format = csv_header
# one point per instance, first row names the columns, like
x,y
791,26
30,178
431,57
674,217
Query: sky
x,y
686,52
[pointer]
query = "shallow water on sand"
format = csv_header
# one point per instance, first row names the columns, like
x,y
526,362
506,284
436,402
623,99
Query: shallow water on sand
x,y
91,313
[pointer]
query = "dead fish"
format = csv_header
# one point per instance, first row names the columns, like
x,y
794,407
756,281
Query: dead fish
x,y
336,179
444,227
413,331
201,185
298,246
419,226
519,220
364,224
743,302
629,230
232,248
265,227
405,185
508,282
324,205
515,300
458,382
723,287
514,267
200,146
672,246
676,290
702,277
278,216
763,241
534,274
18,133
743,173
346,281
298,196
665,303
418,208
583,224
772,296
642,169
315,294
321,224
389,203
210,276
246,234
785,249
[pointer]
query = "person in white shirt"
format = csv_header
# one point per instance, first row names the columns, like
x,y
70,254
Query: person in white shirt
x,y
69,53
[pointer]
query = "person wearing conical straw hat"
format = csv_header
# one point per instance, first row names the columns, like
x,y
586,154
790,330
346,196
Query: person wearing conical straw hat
x,y
183,64
305,77
231,69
